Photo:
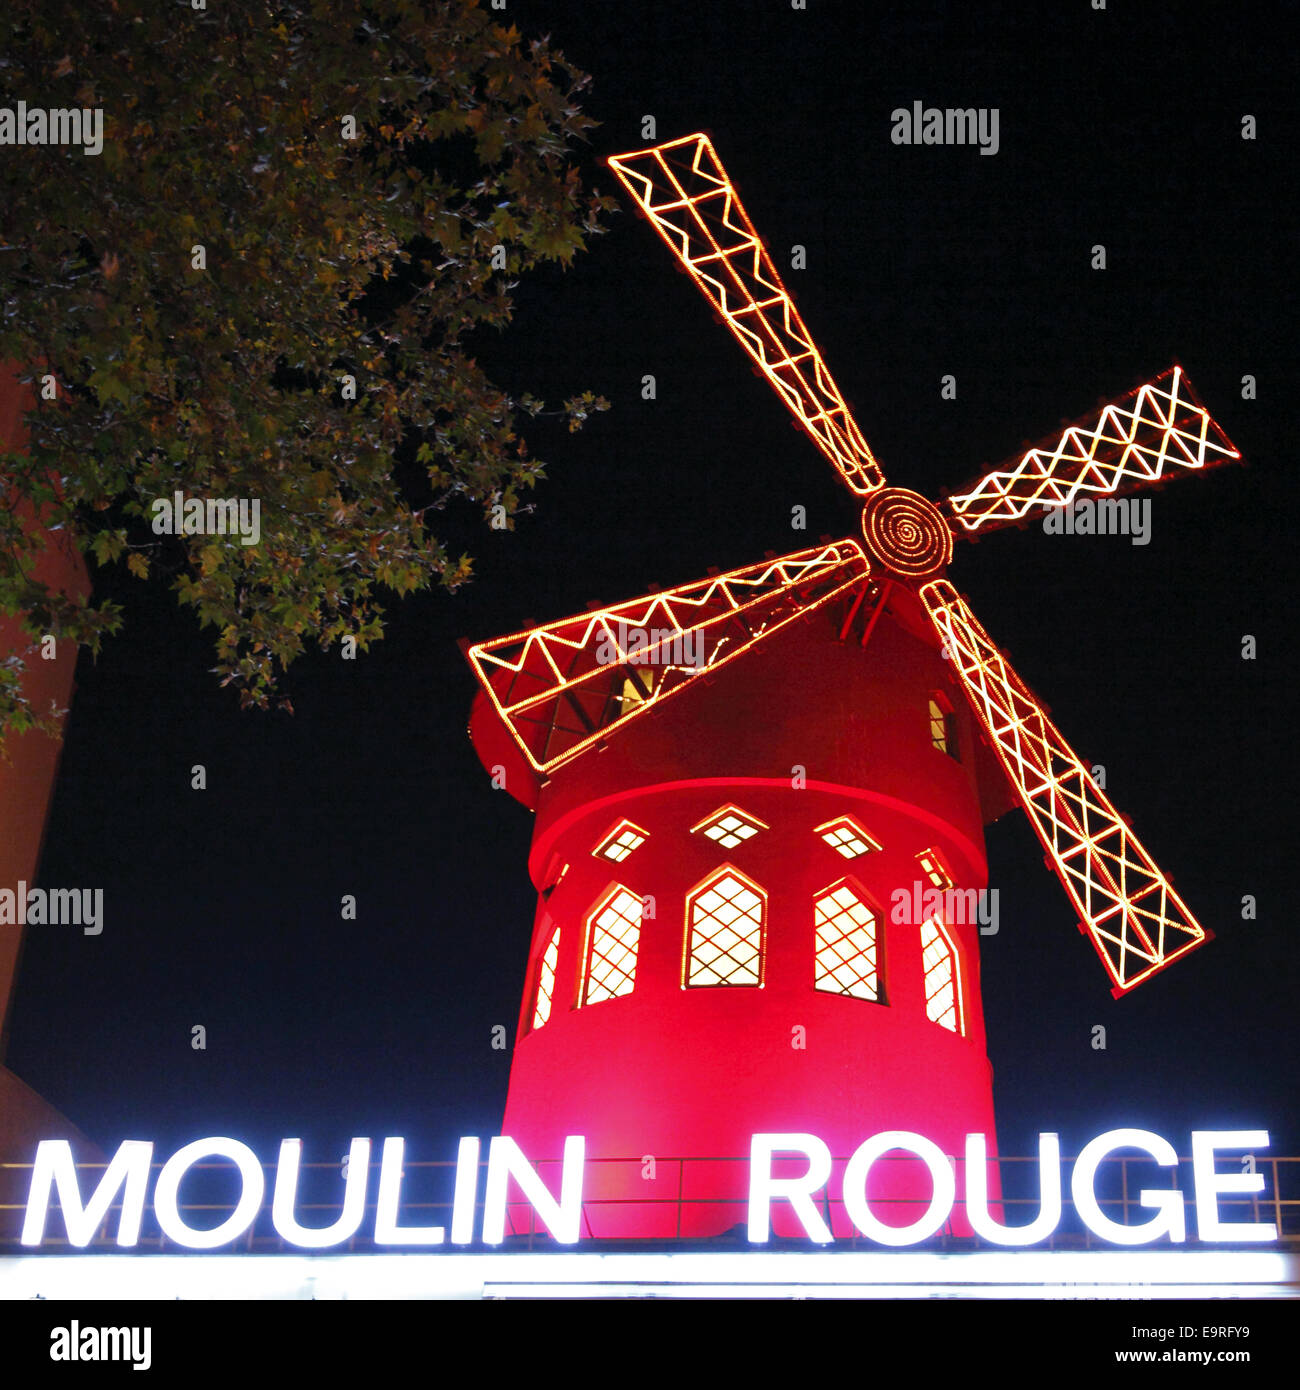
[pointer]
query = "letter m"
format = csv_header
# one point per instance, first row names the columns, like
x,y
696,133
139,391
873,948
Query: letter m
x,y
1112,516
962,127
962,906
65,907
55,1170
223,516
65,126
115,1344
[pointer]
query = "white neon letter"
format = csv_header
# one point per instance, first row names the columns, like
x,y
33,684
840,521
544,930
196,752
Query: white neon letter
x,y
764,1188
54,1168
1049,1190
387,1231
462,1202
855,1187
252,1184
563,1218
354,1197
1209,1184
1172,1220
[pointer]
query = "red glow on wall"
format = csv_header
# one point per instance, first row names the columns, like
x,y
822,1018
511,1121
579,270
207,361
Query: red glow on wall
x,y
819,721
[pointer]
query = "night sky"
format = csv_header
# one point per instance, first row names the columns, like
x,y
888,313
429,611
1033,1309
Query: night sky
x,y
222,906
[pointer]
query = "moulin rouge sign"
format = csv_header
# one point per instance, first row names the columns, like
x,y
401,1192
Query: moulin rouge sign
x,y
126,1181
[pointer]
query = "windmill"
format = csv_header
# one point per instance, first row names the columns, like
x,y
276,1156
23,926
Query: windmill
x,y
761,795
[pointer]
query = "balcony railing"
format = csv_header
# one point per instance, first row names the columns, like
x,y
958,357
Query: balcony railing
x,y
678,1216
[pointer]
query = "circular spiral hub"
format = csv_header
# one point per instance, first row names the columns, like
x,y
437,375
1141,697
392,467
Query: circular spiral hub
x,y
906,533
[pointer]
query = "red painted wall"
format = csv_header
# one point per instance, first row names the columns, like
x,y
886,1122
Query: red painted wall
x,y
668,1072
26,787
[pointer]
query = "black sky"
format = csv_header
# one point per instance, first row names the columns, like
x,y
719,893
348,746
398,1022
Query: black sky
x,y
222,907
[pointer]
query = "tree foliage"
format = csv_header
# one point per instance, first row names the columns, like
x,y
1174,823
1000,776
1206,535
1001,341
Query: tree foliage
x,y
290,198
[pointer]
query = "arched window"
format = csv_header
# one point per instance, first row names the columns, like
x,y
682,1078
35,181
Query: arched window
x,y
725,920
613,938
546,980
942,970
845,960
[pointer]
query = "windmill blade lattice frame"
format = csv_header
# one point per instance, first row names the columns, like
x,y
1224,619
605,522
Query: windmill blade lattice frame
x,y
684,191
1136,921
1154,431
562,687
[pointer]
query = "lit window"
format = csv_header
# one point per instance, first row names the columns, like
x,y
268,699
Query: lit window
x,y
555,872
613,934
546,980
846,945
934,869
637,688
621,841
725,931
943,725
942,979
729,826
846,837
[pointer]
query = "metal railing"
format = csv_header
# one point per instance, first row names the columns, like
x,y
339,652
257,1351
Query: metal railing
x,y
695,1203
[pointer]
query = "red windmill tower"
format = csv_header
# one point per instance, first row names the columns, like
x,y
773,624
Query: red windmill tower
x,y
745,787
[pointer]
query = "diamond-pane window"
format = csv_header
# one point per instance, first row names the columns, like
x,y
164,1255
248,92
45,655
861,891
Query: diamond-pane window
x,y
845,836
613,935
942,979
845,961
729,826
724,919
546,980
934,869
621,841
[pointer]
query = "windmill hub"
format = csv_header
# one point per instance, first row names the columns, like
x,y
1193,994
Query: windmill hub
x,y
670,1033
906,533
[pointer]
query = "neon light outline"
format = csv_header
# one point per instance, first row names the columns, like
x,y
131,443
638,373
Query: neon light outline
x,y
778,342
1099,454
546,655
1070,824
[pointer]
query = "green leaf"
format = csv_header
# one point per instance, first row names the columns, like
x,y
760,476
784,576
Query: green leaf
x,y
323,258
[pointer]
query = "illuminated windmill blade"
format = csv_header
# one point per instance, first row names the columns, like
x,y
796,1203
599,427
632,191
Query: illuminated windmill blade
x,y
683,189
1153,432
1135,919
564,686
